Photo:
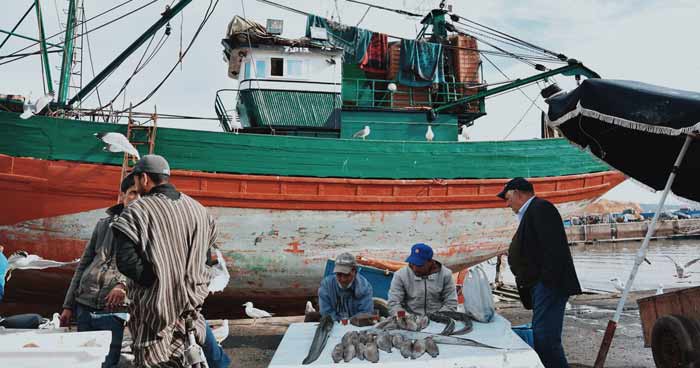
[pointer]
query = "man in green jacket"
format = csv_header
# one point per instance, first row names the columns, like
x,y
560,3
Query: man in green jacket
x,y
97,287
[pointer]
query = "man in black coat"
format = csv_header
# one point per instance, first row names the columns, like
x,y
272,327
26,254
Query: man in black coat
x,y
540,259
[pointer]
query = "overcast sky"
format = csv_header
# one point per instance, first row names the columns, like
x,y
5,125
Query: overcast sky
x,y
649,41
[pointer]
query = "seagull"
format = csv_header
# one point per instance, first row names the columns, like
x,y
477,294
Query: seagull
x,y
236,124
309,308
117,142
364,133
219,274
22,260
660,289
681,272
255,313
619,286
429,135
463,136
31,109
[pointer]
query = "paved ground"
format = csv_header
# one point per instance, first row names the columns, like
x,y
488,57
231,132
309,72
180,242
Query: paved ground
x,y
253,346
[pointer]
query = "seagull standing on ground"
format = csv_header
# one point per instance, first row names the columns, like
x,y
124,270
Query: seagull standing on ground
x,y
31,109
429,135
681,272
255,313
364,133
309,308
619,286
117,142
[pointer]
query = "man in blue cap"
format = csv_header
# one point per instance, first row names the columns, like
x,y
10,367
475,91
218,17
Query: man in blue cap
x,y
425,286
541,262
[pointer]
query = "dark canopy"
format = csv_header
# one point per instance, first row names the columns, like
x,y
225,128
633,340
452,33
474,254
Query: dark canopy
x,y
635,127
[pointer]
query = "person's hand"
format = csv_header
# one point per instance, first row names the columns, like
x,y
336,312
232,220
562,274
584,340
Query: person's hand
x,y
66,314
115,297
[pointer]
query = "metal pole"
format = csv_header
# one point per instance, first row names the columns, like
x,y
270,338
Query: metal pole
x,y
641,255
67,64
165,17
16,25
11,33
42,45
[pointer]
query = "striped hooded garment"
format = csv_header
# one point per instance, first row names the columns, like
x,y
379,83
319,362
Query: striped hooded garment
x,y
171,234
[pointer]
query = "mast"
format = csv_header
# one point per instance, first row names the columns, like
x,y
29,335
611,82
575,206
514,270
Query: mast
x,y
67,64
42,45
168,14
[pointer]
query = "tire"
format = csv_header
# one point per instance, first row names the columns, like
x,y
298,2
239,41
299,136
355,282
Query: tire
x,y
675,342
382,306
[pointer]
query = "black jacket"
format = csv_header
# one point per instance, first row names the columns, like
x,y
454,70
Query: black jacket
x,y
543,250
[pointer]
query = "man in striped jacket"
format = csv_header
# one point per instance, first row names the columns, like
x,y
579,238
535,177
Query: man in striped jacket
x,y
163,239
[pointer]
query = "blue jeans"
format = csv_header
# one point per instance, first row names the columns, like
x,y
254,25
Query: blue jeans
x,y
548,307
87,322
216,358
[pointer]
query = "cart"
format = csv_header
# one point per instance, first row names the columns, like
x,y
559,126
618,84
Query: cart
x,y
671,326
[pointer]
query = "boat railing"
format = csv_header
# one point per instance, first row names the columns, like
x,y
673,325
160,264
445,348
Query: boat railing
x,y
226,116
382,93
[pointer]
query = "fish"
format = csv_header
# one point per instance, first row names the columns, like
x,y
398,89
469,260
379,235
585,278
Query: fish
x,y
360,351
363,337
465,318
411,324
396,341
384,342
441,318
349,353
423,322
418,349
337,353
447,340
405,349
347,338
431,347
323,330
371,352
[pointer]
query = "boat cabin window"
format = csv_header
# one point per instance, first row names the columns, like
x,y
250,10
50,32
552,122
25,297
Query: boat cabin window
x,y
294,68
246,70
260,68
276,67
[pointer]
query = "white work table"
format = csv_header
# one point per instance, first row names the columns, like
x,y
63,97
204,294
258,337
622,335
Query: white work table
x,y
513,352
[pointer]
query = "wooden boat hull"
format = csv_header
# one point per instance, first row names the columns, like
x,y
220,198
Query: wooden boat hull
x,y
276,233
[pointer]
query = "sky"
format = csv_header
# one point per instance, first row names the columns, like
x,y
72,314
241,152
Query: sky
x,y
649,41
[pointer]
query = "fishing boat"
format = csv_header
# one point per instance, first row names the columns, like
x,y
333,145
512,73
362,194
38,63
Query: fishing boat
x,y
341,141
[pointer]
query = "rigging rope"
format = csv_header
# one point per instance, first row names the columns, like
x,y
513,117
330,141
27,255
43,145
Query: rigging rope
x,y
207,15
79,24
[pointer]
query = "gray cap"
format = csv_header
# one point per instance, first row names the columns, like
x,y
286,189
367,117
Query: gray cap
x,y
153,164
344,263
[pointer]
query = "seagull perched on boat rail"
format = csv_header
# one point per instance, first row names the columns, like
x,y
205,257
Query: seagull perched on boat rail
x,y
463,136
681,272
429,135
255,313
117,142
364,133
31,109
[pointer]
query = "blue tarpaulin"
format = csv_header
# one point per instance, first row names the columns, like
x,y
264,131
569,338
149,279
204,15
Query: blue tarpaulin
x,y
354,41
421,64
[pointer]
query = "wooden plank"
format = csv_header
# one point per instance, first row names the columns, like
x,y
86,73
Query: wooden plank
x,y
668,304
647,313
690,302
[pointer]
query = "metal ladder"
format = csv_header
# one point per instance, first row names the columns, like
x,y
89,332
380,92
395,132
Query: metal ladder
x,y
148,128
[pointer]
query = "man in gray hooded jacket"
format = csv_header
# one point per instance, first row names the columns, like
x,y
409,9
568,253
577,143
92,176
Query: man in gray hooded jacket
x,y
97,286
424,287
